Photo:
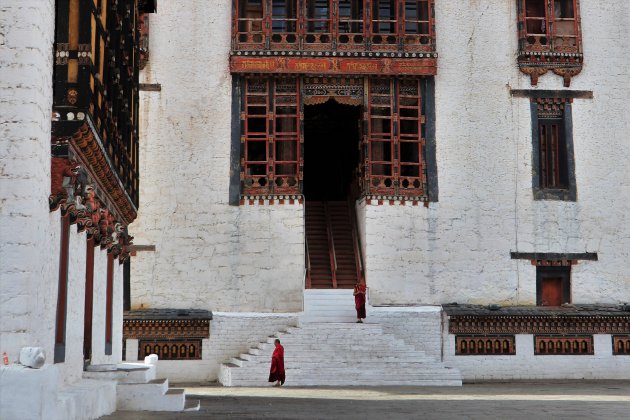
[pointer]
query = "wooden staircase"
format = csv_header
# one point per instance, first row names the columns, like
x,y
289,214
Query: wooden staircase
x,y
332,247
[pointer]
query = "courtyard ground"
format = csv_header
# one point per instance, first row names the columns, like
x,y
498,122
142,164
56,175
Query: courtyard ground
x,y
515,400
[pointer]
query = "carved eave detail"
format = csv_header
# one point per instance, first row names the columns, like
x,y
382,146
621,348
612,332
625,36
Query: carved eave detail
x,y
536,64
85,188
88,151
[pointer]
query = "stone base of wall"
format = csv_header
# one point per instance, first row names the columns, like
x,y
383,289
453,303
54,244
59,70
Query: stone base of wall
x,y
27,393
525,365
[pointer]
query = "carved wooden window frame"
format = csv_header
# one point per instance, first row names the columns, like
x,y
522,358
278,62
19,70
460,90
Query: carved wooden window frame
x,y
543,45
271,162
400,128
351,25
553,115
389,168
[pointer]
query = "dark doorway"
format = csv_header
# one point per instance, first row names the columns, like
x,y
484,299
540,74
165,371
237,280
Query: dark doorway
x,y
331,150
331,158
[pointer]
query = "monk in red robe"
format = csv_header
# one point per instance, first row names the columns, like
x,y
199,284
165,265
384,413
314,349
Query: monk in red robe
x,y
276,373
359,301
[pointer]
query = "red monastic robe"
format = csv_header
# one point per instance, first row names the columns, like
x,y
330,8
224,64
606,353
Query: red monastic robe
x,y
359,300
276,373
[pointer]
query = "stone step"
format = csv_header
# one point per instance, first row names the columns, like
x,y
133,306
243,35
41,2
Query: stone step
x,y
127,391
85,399
122,372
173,399
315,358
192,405
367,383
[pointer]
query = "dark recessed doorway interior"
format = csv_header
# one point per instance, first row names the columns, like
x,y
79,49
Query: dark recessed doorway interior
x,y
331,150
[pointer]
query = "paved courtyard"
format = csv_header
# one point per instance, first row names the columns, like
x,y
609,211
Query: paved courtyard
x,y
522,400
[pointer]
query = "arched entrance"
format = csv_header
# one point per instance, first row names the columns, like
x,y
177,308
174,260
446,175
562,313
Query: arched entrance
x,y
332,134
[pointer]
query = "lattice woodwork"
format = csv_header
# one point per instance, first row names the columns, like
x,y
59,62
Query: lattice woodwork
x,y
488,345
549,38
189,349
166,328
271,139
394,160
473,324
621,345
334,25
567,346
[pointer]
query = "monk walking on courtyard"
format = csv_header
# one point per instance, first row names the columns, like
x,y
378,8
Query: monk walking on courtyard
x,y
276,373
359,301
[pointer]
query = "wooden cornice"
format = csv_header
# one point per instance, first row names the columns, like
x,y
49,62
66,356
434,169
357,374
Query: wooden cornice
x,y
423,65
94,159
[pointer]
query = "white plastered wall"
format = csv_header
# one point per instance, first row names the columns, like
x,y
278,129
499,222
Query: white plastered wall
x,y
458,249
26,301
524,365
209,255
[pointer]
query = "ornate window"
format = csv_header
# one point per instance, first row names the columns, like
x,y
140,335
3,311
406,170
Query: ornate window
x,y
395,139
553,162
549,38
270,136
393,134
316,25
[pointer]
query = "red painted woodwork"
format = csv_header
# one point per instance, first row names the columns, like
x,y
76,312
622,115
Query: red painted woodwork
x,y
421,65
109,302
394,164
496,345
333,252
550,38
621,345
89,300
271,136
183,349
62,296
334,25
552,291
555,345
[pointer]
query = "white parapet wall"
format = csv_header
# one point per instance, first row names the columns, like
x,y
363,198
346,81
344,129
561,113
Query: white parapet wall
x,y
525,365
231,333
27,292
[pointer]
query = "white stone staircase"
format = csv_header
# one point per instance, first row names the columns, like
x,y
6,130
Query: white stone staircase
x,y
339,354
138,389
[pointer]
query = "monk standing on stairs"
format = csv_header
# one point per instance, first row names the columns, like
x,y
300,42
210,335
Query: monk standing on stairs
x,y
276,373
359,300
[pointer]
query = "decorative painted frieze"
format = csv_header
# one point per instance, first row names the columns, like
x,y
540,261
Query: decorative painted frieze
x,y
166,349
486,345
563,346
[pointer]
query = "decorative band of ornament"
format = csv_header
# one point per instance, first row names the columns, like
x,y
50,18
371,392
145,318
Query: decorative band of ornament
x,y
345,91
92,155
374,200
487,345
563,346
554,263
621,345
333,65
170,349
539,324
271,199
551,107
166,328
